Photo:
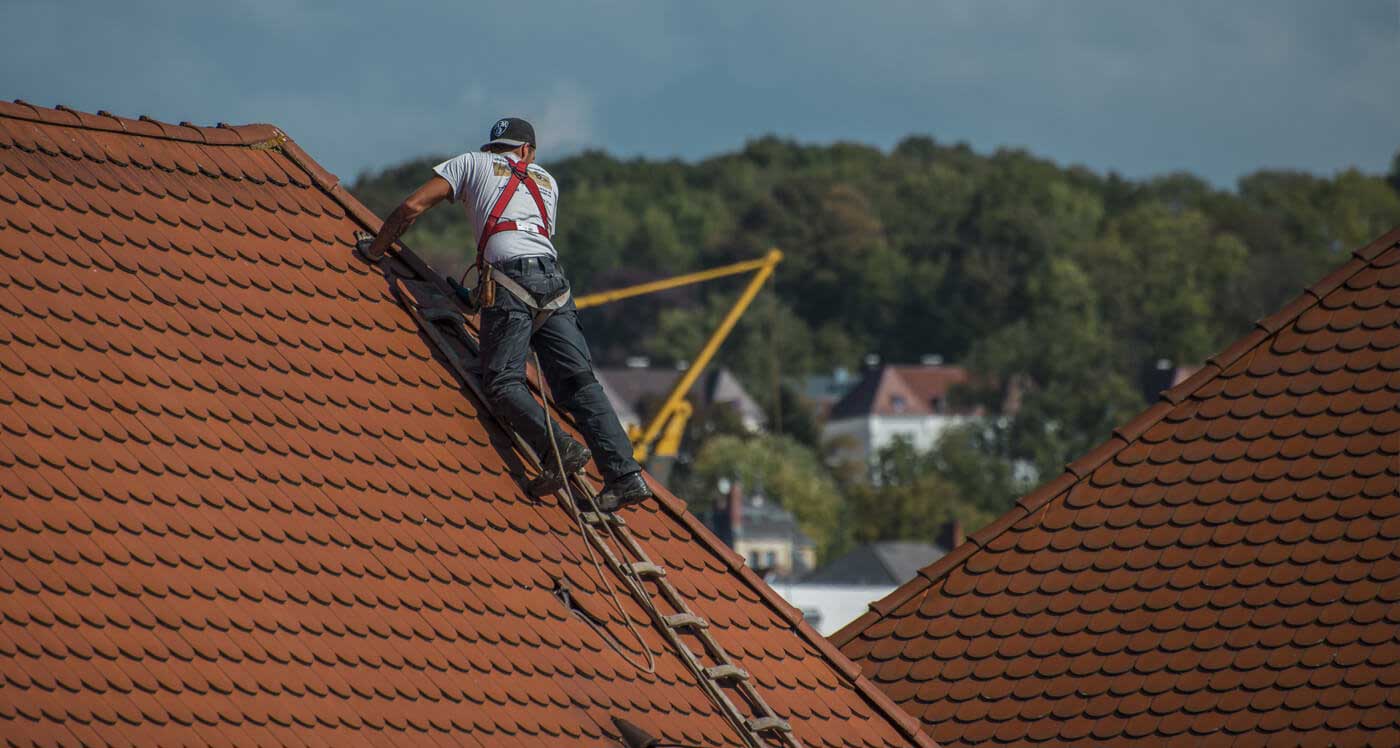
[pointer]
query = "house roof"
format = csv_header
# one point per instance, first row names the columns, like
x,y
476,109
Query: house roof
x,y
899,390
642,389
244,502
1225,570
885,563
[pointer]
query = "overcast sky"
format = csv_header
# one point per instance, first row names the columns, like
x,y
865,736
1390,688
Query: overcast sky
x,y
1142,88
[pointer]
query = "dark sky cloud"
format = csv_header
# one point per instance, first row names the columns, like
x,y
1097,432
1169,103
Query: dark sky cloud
x,y
1143,88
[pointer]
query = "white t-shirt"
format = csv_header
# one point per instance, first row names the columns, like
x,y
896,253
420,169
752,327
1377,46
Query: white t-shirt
x,y
477,179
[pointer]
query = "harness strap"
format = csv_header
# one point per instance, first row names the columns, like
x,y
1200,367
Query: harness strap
x,y
542,311
519,174
534,189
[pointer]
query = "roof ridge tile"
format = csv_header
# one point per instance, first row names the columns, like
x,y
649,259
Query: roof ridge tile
x,y
1380,244
103,120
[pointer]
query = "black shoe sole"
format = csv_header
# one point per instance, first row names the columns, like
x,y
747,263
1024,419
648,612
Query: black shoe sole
x,y
609,503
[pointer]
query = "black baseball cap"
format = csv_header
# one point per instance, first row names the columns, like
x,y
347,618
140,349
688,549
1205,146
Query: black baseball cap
x,y
511,131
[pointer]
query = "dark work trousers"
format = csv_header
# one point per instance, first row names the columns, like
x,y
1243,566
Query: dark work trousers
x,y
564,358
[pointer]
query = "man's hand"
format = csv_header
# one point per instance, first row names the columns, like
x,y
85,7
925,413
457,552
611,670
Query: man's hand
x,y
363,241
432,192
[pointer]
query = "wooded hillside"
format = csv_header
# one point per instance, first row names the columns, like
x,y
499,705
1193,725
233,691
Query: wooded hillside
x,y
1008,263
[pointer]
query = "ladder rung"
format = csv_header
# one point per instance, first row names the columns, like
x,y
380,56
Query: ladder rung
x,y
596,518
767,724
726,672
644,569
686,621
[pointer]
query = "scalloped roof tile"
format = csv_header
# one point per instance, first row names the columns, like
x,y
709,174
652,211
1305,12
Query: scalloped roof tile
x,y
244,503
1225,570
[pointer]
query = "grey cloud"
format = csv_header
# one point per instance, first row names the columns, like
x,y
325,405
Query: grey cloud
x,y
1143,88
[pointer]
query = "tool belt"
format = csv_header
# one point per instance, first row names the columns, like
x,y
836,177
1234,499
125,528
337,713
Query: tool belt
x,y
540,310
477,291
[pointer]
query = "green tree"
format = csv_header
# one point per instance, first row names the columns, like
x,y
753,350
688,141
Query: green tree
x,y
907,499
1161,274
974,460
1076,392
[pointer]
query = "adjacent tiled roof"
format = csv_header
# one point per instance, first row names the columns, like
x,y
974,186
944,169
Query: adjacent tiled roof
x,y
1224,571
244,503
886,563
895,390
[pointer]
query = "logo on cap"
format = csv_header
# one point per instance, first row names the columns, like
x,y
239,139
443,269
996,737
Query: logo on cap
x,y
500,128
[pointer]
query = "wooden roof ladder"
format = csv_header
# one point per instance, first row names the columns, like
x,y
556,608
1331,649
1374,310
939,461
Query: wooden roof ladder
x,y
727,685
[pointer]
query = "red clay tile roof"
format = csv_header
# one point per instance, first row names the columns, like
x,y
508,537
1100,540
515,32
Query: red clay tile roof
x,y
1224,571
899,390
243,503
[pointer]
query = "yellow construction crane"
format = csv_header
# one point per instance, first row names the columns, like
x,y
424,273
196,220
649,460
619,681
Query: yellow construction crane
x,y
669,422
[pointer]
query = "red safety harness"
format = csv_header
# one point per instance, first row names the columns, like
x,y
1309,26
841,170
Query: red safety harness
x,y
486,279
519,174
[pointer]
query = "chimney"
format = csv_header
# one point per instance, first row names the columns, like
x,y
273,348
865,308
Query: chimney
x,y
951,535
725,518
736,508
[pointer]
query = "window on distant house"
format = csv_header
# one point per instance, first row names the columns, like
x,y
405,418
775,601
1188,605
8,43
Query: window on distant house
x,y
754,560
898,404
770,558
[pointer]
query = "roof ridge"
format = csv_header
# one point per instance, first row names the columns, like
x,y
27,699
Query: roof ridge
x,y
220,134
900,719
1264,329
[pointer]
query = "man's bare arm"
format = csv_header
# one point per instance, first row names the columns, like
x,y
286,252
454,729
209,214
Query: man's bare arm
x,y
432,192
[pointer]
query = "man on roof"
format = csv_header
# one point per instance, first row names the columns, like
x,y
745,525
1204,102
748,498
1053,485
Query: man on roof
x,y
512,204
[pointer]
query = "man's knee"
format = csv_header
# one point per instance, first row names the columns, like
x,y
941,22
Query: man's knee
x,y
573,384
500,386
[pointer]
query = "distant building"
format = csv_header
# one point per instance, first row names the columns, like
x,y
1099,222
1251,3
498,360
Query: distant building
x,y
823,391
891,562
892,401
764,533
637,391
838,592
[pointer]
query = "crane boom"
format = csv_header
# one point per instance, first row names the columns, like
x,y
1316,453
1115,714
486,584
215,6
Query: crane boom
x,y
773,257
675,405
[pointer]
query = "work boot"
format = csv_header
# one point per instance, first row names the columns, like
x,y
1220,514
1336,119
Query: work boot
x,y
624,492
575,457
